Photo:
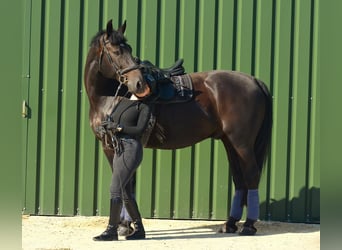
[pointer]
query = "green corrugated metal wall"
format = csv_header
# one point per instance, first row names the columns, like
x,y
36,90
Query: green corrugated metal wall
x,y
65,171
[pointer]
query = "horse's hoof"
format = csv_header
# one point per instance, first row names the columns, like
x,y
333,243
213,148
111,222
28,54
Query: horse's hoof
x,y
248,230
228,228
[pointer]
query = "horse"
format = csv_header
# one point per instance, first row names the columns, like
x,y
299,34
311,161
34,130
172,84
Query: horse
x,y
230,106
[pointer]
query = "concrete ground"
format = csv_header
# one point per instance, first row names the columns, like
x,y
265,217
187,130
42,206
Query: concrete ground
x,y
49,232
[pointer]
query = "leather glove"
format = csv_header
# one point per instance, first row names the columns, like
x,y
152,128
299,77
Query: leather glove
x,y
110,125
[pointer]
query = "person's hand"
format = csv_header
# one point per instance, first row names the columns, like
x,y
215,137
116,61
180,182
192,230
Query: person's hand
x,y
110,125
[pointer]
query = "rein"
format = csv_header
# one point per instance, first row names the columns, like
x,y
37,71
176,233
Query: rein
x,y
120,72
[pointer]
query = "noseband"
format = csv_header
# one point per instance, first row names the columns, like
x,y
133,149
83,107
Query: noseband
x,y
121,73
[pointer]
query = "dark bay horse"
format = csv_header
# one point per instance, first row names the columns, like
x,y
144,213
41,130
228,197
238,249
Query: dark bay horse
x,y
233,107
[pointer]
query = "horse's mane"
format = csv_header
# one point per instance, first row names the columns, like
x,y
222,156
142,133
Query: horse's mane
x,y
116,38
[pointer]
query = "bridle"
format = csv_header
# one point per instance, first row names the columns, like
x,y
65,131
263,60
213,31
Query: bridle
x,y
121,73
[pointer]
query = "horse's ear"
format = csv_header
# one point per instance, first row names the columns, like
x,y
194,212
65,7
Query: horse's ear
x,y
109,27
122,28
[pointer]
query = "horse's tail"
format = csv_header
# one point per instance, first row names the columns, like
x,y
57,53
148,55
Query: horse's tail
x,y
263,140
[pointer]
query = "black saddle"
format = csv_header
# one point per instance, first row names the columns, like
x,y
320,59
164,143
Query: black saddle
x,y
175,70
148,68
168,85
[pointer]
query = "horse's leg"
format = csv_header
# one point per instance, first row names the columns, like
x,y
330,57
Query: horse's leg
x,y
251,176
240,195
246,177
109,152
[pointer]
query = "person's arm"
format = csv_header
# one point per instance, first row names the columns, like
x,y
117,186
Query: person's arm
x,y
144,116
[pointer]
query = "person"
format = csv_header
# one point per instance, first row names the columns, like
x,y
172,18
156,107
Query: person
x,y
125,126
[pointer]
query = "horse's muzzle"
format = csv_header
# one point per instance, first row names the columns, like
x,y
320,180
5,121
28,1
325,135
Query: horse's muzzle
x,y
142,90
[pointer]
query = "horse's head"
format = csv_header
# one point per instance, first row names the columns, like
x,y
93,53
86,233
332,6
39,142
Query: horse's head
x,y
115,59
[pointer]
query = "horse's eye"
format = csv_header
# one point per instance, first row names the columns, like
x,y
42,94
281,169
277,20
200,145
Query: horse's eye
x,y
126,47
117,52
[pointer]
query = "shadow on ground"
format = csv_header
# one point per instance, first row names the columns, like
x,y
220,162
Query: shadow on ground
x,y
211,231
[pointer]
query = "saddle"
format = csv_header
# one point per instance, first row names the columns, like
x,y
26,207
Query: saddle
x,y
176,69
168,85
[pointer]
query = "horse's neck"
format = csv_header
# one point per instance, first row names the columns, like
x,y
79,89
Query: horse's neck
x,y
101,103
107,105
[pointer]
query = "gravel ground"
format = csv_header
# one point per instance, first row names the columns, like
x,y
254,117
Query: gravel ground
x,y
66,233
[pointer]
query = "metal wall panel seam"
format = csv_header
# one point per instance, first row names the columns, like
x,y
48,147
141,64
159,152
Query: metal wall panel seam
x,y
299,105
268,176
244,38
225,28
183,184
314,140
33,163
49,129
68,141
262,67
167,35
202,173
148,42
220,183
206,35
280,80
186,29
26,46
163,184
87,151
145,184
131,11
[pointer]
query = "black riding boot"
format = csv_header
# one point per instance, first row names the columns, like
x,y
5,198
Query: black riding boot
x,y
111,232
139,231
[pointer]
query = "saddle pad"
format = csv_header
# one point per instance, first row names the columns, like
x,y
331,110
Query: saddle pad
x,y
184,88
177,89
